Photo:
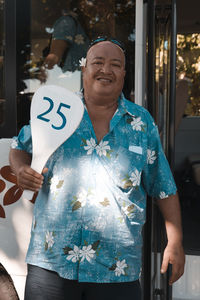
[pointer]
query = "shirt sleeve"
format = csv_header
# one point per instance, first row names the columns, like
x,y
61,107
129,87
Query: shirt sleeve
x,y
157,176
64,29
24,140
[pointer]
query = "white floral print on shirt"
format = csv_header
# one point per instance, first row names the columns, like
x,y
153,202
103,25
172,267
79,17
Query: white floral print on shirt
x,y
151,157
81,199
119,267
74,254
135,178
163,195
87,252
56,184
102,148
49,240
137,124
14,144
90,146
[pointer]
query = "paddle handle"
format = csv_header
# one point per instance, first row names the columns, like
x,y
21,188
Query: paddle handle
x,y
37,165
28,195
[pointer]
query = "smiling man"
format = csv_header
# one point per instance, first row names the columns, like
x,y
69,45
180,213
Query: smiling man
x,y
103,80
86,235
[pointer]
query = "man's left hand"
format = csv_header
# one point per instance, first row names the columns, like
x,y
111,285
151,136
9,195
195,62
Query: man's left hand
x,y
174,255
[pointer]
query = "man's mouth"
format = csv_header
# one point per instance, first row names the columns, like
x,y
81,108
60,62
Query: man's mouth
x,y
103,79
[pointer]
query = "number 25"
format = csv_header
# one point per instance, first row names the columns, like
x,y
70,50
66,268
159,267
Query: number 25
x,y
59,112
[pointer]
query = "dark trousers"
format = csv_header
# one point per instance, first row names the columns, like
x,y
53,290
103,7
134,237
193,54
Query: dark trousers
x,y
42,284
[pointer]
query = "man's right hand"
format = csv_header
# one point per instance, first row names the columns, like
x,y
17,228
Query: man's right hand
x,y
28,179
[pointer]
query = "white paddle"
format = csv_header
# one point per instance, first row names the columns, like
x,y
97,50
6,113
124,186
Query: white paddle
x,y
55,114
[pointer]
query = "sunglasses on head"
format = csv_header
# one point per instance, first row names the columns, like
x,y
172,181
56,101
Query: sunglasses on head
x,y
109,39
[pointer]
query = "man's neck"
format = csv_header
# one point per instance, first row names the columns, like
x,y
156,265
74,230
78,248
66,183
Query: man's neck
x,y
101,104
100,115
101,108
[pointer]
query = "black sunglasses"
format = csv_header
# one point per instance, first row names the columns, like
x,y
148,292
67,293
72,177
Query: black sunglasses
x,y
109,39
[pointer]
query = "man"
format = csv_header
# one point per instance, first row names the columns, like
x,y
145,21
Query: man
x,y
86,234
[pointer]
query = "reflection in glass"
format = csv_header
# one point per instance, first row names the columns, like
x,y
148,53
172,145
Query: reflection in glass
x,y
162,72
2,47
65,30
188,70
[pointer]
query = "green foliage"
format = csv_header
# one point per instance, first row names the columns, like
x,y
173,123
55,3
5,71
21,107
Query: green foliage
x,y
188,65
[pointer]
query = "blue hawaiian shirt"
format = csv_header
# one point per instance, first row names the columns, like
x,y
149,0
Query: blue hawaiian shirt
x,y
89,214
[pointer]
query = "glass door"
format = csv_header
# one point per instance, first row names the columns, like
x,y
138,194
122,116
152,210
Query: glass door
x,y
2,52
69,25
161,87
27,31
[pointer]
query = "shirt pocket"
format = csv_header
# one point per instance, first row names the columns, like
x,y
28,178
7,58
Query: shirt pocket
x,y
136,149
128,165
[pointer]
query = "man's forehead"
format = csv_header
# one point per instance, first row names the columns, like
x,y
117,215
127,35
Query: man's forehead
x,y
100,49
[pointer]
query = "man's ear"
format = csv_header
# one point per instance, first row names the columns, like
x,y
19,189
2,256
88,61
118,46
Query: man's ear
x,y
83,69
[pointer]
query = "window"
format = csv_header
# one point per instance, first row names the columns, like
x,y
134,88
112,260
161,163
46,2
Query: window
x,y
188,70
75,22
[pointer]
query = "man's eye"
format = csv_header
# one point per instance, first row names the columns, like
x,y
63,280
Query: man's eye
x,y
97,63
116,65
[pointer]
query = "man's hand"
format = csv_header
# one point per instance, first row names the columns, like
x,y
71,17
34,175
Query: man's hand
x,y
28,179
57,49
175,256
51,60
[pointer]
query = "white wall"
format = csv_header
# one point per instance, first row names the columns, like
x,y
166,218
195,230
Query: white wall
x,y
14,228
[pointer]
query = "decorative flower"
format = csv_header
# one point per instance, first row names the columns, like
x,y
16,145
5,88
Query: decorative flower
x,y
135,178
137,124
91,144
82,62
120,266
80,200
14,144
79,39
82,197
128,210
163,195
49,30
74,254
151,157
69,37
54,182
49,239
102,148
87,253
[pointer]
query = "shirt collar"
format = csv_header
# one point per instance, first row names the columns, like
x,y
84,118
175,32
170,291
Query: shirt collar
x,y
124,106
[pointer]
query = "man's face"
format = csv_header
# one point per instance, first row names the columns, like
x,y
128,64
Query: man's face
x,y
104,72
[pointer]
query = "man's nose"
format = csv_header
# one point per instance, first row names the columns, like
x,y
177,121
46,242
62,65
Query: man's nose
x,y
106,68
